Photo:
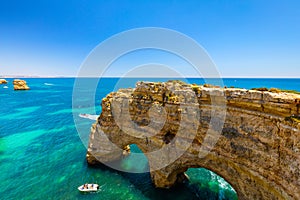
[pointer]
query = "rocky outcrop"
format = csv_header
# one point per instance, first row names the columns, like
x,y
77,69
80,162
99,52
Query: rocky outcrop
x,y
3,81
250,138
20,85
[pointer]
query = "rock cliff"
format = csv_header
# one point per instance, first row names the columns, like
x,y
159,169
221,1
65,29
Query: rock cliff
x,y
20,85
257,149
3,81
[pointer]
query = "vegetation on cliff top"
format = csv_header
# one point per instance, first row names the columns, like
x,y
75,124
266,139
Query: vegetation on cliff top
x,y
275,90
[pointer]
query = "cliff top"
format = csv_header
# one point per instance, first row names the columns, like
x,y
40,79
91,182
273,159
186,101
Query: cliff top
x,y
177,84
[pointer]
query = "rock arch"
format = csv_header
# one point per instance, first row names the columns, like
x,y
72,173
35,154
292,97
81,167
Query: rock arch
x,y
258,152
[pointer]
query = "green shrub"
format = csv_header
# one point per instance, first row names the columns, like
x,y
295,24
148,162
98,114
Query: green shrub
x,y
262,89
290,91
275,90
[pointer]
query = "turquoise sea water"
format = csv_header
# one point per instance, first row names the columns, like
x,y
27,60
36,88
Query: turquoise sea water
x,y
43,157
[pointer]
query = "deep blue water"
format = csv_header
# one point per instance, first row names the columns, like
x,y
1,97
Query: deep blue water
x,y
42,156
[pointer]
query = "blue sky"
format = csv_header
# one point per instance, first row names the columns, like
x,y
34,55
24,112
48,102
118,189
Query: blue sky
x,y
245,38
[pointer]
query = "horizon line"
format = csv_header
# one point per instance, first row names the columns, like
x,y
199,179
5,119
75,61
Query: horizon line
x,y
250,77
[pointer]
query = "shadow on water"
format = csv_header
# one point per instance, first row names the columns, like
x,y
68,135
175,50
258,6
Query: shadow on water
x,y
184,191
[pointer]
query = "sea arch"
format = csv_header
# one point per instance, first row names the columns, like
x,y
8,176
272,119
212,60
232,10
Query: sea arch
x,y
258,151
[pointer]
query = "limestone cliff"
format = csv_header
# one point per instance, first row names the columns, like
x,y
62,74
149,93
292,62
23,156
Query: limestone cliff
x,y
20,85
257,152
3,81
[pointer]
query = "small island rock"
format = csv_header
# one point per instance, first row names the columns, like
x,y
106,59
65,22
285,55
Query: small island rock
x,y
20,85
3,81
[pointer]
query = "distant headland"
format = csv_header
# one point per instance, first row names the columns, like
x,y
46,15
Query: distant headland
x,y
32,76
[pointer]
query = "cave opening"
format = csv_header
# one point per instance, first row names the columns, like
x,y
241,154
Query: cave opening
x,y
168,137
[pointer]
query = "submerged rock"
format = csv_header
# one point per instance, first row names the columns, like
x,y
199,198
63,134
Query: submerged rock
x,y
177,126
20,85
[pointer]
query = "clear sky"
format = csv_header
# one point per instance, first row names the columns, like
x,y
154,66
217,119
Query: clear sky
x,y
256,38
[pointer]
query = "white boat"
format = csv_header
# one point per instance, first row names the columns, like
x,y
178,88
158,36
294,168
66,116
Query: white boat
x,y
89,187
5,87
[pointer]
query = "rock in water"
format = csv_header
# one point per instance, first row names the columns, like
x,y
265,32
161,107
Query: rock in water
x,y
20,85
3,81
257,150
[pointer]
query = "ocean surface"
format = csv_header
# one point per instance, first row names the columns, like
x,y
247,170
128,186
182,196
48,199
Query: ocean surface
x,y
42,154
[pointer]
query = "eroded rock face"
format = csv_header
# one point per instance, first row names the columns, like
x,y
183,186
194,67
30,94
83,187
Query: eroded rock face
x,y
20,85
3,81
257,152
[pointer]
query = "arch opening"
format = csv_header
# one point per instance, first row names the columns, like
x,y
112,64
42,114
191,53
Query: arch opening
x,y
201,184
137,164
210,185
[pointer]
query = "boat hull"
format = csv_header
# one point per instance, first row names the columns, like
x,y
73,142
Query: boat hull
x,y
89,188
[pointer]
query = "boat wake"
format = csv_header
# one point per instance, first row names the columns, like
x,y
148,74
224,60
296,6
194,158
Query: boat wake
x,y
88,116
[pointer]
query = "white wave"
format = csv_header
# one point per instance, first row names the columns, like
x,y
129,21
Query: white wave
x,y
88,116
49,84
5,87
